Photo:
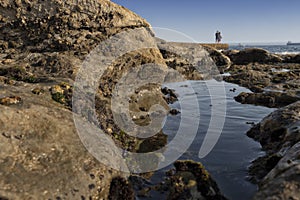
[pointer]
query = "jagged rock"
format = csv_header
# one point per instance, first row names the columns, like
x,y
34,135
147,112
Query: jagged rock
x,y
170,95
45,43
56,25
274,132
220,59
268,99
252,55
190,180
255,81
121,189
278,171
291,58
280,77
190,59
283,181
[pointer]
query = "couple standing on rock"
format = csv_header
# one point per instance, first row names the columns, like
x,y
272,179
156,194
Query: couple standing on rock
x,y
218,37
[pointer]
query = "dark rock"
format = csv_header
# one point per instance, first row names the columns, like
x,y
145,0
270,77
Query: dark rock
x,y
268,99
278,171
261,166
283,180
232,90
273,131
256,81
291,58
191,181
121,189
252,55
153,143
220,59
174,112
170,95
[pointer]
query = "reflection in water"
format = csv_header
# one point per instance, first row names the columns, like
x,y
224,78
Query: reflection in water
x,y
230,158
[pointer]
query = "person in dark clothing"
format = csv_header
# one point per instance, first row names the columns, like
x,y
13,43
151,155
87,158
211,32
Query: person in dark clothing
x,y
218,37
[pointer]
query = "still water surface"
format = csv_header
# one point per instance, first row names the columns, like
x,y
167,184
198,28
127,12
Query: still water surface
x,y
234,151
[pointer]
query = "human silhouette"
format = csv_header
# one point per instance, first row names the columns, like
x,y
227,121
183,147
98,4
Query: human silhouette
x,y
218,37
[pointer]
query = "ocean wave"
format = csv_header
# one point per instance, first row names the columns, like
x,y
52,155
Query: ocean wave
x,y
287,52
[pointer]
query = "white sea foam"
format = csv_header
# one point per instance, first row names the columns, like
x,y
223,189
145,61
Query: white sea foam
x,y
288,52
280,70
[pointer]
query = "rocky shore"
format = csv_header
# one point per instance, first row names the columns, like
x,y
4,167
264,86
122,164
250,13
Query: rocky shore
x,y
42,47
274,82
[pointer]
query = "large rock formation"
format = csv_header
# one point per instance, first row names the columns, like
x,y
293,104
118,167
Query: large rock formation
x,y
252,55
192,60
41,154
220,59
42,46
278,171
57,25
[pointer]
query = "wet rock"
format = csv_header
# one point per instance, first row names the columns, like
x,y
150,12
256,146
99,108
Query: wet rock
x,y
292,58
190,180
170,95
152,144
283,181
278,171
174,112
121,189
261,166
268,99
252,55
274,132
273,85
256,80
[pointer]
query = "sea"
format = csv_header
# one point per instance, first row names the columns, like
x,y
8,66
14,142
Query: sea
x,y
272,48
229,160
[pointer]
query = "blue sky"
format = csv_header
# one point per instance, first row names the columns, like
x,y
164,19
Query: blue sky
x,y
240,21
